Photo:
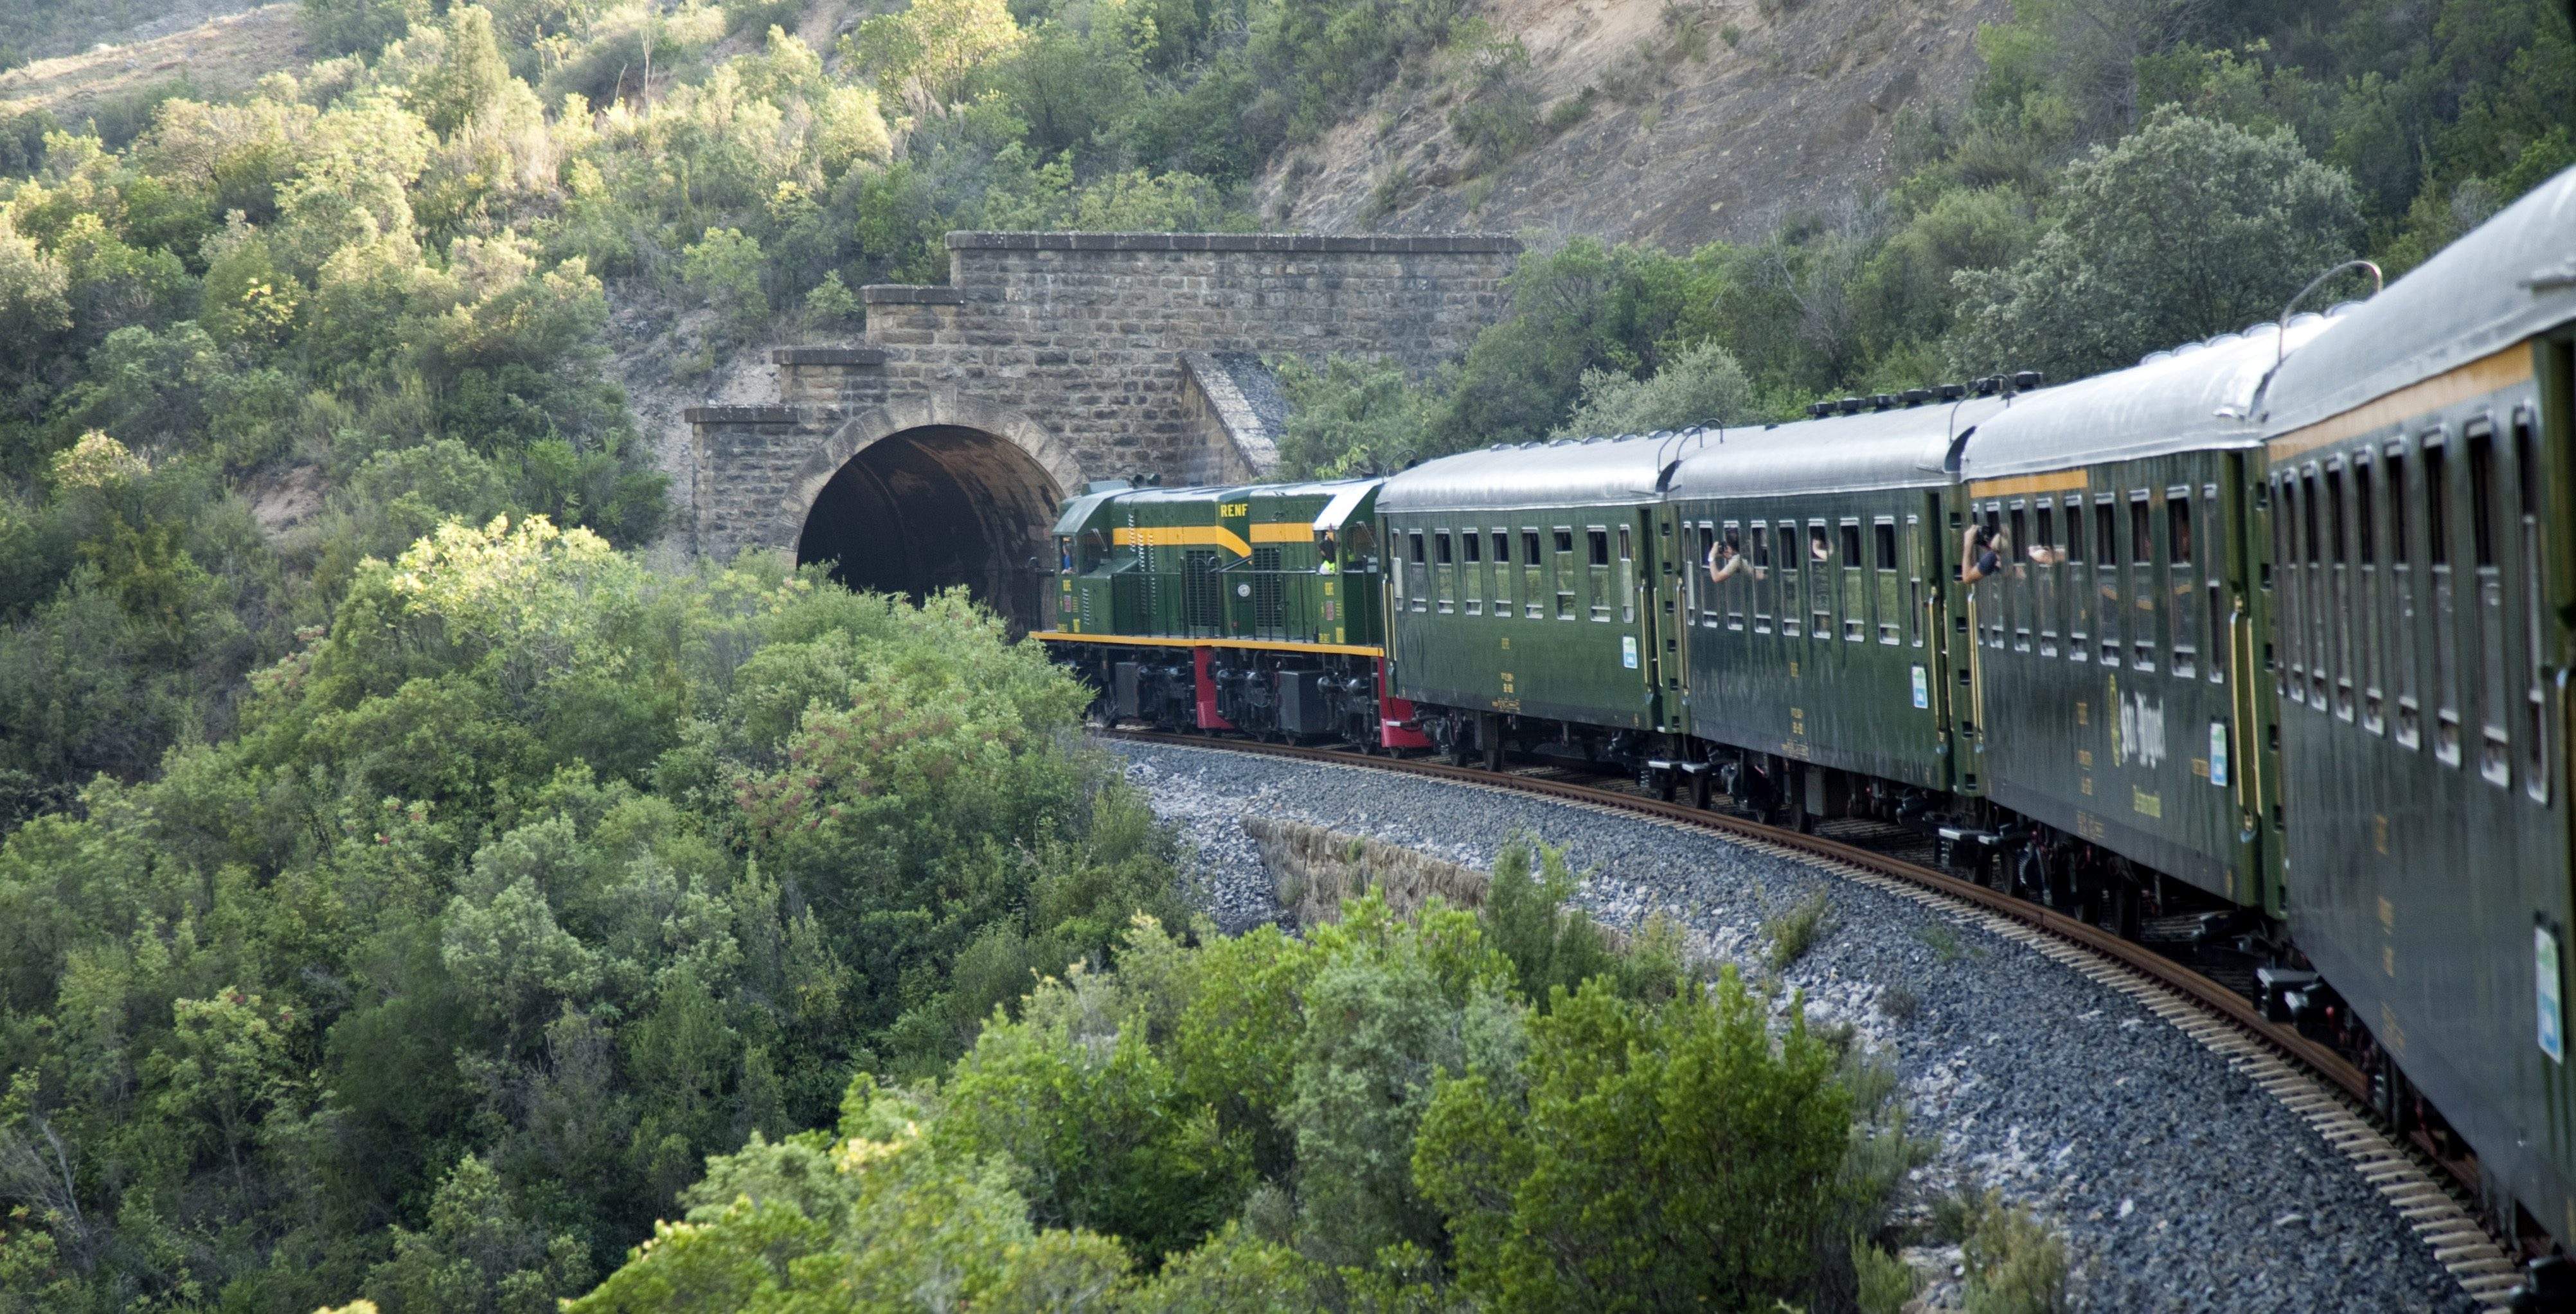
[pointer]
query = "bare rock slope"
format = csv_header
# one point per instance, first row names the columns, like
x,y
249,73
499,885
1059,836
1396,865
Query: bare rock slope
x,y
1708,119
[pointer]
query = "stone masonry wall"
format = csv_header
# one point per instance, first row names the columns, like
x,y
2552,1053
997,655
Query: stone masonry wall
x,y
1069,347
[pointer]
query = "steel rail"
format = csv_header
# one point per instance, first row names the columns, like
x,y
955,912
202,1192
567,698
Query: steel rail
x,y
2344,1115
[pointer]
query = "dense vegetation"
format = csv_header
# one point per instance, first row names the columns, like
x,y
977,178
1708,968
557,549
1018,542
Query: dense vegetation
x,y
405,893
2125,176
533,881
542,896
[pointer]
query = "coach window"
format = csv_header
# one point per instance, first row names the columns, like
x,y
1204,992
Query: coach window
x,y
2401,601
1420,572
2212,549
2024,601
2495,759
2044,574
1732,598
2143,560
1627,577
2079,592
2370,631
1444,554
1471,559
1709,611
2338,591
2106,575
2317,600
1760,585
1792,603
2535,727
1820,594
1699,591
2179,583
1596,546
1855,588
1533,566
1564,562
2290,673
2445,617
1502,543
1882,530
1993,602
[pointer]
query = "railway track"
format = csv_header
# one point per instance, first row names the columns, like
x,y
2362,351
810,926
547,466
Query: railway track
x,y
2433,1195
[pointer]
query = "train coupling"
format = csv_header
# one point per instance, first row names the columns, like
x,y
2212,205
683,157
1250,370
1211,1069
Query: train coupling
x,y
2234,927
2548,1287
1664,777
2283,992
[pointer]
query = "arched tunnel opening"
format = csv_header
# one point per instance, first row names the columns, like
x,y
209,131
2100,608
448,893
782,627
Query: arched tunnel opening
x,y
929,508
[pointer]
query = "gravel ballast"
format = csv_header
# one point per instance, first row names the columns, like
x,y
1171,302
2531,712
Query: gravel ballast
x,y
2180,1185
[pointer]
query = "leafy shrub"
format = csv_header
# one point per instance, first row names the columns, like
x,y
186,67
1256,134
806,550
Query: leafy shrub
x,y
1585,1179
2016,1264
1794,931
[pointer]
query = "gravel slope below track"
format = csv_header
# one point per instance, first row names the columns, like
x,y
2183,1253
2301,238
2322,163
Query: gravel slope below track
x,y
2180,1184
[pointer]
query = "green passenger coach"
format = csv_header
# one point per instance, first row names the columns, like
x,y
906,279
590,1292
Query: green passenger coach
x,y
1520,585
1818,660
2421,535
2109,655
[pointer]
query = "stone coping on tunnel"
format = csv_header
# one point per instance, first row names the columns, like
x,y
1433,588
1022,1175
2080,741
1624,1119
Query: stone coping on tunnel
x,y
743,415
1357,244
827,356
911,294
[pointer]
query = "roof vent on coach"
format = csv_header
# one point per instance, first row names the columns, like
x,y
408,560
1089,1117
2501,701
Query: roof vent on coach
x,y
1819,410
1851,405
2027,380
1952,391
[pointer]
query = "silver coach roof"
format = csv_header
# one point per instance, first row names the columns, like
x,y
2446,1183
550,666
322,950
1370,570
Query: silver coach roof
x,y
2514,276
2192,398
1568,472
1904,448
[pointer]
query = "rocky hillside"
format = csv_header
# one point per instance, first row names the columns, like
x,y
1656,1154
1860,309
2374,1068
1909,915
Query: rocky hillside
x,y
1689,121
205,48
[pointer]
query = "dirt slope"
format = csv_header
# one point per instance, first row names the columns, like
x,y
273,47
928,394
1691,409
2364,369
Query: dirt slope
x,y
221,56
1786,107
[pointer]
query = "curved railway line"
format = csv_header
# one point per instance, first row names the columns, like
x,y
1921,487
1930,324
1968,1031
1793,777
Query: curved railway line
x,y
2431,1193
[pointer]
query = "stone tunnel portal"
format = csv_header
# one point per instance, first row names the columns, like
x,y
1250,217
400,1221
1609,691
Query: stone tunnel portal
x,y
937,506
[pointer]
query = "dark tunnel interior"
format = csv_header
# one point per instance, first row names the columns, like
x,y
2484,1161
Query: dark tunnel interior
x,y
925,509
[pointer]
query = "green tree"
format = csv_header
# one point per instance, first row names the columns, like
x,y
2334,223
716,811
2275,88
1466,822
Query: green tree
x,y
1348,417
2186,229
480,1253
725,267
1698,384
932,48
1642,1158
361,26
1098,1121
469,77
